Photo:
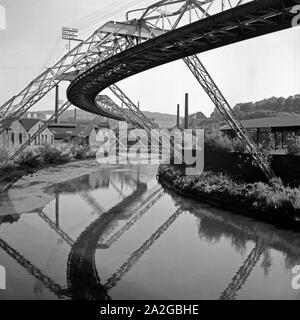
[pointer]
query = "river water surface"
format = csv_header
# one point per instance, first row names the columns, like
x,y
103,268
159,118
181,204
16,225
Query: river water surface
x,y
117,234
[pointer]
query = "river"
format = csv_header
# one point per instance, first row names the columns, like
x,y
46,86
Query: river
x,y
116,233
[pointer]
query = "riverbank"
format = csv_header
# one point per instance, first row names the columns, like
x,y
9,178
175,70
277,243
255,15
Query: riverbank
x,y
34,160
31,191
272,202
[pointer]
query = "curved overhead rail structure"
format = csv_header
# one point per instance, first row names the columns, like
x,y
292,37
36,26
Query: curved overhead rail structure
x,y
240,23
243,22
118,50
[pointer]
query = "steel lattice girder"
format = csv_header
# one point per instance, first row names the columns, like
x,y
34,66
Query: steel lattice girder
x,y
157,52
107,41
247,21
201,74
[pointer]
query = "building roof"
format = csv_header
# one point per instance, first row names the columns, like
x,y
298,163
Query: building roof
x,y
29,123
62,125
273,122
62,131
83,131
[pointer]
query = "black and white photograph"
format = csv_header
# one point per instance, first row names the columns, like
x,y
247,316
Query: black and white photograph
x,y
149,152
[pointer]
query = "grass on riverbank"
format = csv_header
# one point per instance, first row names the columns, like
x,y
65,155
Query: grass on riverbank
x,y
32,160
272,201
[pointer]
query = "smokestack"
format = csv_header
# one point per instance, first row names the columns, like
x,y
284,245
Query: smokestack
x,y
178,115
186,119
56,103
75,115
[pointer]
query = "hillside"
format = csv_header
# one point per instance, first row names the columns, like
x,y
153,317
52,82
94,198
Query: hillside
x,y
272,107
163,119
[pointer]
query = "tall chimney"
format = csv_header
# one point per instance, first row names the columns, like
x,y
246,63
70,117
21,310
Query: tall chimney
x,y
75,115
56,103
186,119
178,116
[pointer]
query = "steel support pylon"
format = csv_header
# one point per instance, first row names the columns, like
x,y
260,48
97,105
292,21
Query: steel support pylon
x,y
203,77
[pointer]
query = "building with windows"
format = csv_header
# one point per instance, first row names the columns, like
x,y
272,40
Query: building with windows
x,y
14,136
279,128
32,126
85,131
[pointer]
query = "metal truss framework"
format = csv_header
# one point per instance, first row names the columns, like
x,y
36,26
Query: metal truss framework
x,y
123,40
243,22
106,41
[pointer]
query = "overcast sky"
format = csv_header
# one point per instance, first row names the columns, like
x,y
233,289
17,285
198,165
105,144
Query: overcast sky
x,y
248,71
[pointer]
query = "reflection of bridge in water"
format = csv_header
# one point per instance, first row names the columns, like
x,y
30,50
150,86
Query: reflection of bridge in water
x,y
82,275
73,186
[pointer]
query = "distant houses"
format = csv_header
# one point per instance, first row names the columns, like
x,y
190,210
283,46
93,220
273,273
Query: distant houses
x,y
21,130
32,126
14,136
84,132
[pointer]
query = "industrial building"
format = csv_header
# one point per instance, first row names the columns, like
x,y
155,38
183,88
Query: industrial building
x,y
281,128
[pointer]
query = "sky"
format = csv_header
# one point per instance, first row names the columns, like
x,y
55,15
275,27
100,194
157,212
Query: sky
x,y
251,70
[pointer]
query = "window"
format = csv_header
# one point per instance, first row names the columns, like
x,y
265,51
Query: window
x,y
46,138
20,138
13,138
52,140
35,141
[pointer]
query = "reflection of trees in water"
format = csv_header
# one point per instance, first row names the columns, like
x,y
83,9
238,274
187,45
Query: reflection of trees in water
x,y
215,223
291,261
213,231
267,261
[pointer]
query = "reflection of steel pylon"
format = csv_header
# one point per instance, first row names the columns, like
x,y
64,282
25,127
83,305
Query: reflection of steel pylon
x,y
243,273
115,237
57,229
33,270
91,201
136,255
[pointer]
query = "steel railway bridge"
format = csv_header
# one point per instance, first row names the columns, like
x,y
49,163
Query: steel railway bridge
x,y
165,31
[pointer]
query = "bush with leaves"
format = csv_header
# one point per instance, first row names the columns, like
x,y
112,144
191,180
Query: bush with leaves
x,y
4,156
273,198
53,155
216,141
293,146
80,152
29,158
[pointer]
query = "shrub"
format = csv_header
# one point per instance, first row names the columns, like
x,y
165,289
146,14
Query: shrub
x,y
4,156
80,152
293,146
217,141
29,159
238,146
53,155
272,198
